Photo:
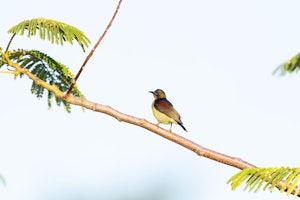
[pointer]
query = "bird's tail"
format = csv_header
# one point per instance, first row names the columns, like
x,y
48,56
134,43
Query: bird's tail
x,y
180,124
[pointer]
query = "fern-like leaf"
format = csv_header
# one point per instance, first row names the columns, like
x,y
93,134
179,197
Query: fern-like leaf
x,y
56,32
256,178
47,69
293,65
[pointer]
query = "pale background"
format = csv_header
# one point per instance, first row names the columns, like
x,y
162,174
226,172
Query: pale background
x,y
214,59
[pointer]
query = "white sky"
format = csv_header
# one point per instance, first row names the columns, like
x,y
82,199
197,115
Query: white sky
x,y
214,59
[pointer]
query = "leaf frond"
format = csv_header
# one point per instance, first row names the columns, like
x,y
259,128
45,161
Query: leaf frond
x,y
54,31
267,178
291,66
46,69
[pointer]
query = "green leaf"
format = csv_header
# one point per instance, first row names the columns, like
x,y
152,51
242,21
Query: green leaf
x,y
255,178
291,66
54,31
47,69
294,178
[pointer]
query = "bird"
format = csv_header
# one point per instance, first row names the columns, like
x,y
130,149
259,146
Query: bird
x,y
163,110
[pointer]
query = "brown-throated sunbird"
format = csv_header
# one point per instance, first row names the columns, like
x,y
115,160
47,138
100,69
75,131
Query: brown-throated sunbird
x,y
163,110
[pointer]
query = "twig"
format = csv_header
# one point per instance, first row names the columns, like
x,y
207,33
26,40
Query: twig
x,y
95,47
15,72
12,37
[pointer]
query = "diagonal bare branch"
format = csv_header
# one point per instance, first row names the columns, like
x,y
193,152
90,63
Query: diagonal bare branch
x,y
95,47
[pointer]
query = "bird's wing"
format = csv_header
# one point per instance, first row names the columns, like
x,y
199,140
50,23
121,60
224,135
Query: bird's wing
x,y
164,106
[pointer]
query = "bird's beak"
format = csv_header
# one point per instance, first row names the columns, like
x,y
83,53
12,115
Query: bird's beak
x,y
151,92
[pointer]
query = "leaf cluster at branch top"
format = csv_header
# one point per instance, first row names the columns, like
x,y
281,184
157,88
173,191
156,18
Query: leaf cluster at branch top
x,y
47,69
269,178
52,30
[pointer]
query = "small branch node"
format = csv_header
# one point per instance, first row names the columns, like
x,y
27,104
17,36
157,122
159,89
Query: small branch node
x,y
119,119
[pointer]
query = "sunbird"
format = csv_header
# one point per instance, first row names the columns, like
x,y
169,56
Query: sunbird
x,y
163,110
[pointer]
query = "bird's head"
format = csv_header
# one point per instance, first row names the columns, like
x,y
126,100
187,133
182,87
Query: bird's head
x,y
158,94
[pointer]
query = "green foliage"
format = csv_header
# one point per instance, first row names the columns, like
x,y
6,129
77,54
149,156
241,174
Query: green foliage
x,y
47,69
54,31
293,65
2,180
41,65
268,178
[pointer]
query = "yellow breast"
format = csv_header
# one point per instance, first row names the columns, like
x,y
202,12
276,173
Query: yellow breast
x,y
161,117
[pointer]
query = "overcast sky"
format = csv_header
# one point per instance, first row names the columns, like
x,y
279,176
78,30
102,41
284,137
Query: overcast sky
x,y
214,59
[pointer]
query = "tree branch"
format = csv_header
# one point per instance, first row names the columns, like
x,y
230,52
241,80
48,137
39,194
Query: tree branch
x,y
9,72
198,149
188,144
